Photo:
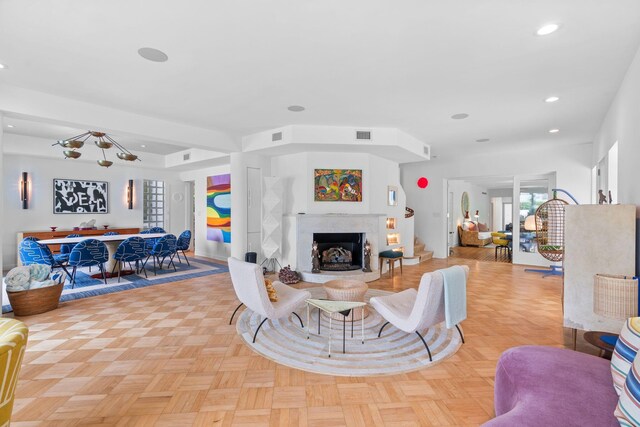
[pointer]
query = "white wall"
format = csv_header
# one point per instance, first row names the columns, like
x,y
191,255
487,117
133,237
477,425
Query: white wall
x,y
622,124
40,216
571,164
377,174
204,247
297,172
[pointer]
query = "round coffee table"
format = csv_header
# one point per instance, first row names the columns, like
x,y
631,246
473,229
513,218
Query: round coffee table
x,y
347,290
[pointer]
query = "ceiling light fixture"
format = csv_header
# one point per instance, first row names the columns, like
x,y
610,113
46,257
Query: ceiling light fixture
x,y
295,108
143,146
547,29
554,130
102,141
552,99
152,54
2,66
483,140
459,116
10,126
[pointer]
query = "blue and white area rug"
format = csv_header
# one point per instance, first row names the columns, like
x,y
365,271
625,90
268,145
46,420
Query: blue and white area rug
x,y
395,352
87,286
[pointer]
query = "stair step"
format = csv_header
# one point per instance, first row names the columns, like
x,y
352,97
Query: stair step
x,y
418,248
423,255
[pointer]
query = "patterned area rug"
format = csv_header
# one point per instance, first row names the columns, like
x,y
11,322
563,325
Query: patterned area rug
x,y
285,342
87,286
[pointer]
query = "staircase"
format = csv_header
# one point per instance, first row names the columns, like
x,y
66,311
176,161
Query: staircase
x,y
419,251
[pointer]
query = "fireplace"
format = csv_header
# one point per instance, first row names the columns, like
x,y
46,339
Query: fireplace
x,y
339,251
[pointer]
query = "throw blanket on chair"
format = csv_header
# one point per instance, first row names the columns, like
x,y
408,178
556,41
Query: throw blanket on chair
x,y
455,295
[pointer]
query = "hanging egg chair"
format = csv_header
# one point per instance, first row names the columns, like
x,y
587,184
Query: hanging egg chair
x,y
550,229
549,219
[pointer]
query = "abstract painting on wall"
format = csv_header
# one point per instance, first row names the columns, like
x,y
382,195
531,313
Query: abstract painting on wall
x,y
219,208
338,185
73,196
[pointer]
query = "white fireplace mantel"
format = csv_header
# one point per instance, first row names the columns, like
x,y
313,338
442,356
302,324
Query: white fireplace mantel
x,y
302,226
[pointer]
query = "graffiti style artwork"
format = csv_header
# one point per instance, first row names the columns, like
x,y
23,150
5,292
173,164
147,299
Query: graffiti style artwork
x,y
338,185
71,196
219,208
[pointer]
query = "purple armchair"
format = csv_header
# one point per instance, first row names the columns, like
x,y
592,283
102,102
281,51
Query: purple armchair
x,y
546,386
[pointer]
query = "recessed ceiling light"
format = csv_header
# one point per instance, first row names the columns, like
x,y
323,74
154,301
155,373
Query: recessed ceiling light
x,y
143,146
552,99
10,126
547,29
152,54
483,140
2,66
459,116
554,130
295,108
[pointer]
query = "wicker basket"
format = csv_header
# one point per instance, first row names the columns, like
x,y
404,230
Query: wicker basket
x,y
35,301
615,296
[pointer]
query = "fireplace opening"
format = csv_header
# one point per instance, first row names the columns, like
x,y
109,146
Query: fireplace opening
x,y
339,251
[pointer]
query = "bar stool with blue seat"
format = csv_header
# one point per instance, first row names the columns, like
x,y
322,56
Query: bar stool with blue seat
x,y
32,252
391,257
163,248
183,245
134,249
88,253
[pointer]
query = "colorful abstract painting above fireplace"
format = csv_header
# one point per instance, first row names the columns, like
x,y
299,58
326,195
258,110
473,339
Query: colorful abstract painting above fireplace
x,y
338,185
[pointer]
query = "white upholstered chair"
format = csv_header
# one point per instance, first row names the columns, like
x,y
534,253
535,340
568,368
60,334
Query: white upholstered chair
x,y
248,282
414,311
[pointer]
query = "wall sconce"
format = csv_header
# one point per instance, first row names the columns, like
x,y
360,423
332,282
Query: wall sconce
x,y
477,215
466,216
615,297
24,190
130,194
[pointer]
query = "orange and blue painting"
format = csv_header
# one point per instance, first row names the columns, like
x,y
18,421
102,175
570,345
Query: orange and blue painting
x,y
219,208
338,185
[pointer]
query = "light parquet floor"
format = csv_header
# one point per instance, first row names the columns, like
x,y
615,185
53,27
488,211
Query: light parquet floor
x,y
166,356
484,253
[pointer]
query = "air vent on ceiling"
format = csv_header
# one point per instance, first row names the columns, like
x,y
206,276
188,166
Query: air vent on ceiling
x,y
186,156
363,135
276,136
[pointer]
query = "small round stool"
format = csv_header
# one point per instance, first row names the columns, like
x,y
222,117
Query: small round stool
x,y
391,257
347,290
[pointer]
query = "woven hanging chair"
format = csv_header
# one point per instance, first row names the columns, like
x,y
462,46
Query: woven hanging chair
x,y
550,232
550,229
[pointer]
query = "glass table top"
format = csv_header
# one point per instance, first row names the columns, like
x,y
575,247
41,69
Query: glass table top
x,y
334,306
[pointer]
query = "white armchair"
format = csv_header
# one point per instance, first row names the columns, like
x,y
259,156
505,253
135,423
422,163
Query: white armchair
x,y
248,282
413,311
